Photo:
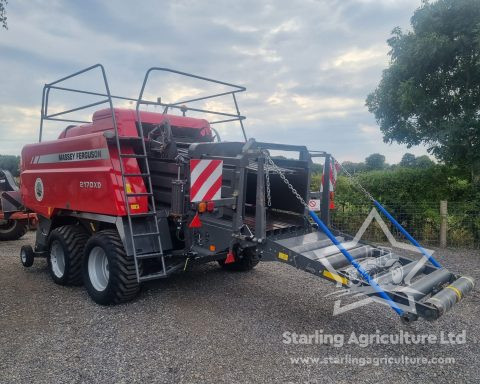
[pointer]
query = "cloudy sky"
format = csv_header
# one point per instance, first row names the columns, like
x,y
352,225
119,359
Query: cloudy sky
x,y
307,65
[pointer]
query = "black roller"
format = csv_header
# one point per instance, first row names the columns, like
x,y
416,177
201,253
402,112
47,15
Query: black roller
x,y
444,300
396,275
424,285
338,260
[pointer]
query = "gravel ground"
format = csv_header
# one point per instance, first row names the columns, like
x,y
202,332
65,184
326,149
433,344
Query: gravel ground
x,y
208,325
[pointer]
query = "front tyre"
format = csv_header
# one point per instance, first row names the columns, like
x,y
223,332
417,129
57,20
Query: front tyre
x,y
108,273
66,246
26,256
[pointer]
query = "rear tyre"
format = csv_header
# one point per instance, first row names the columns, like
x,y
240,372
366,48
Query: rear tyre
x,y
108,273
26,256
66,246
246,260
12,229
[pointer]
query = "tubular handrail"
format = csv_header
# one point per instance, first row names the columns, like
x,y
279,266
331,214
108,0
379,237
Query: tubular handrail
x,y
237,88
59,116
46,93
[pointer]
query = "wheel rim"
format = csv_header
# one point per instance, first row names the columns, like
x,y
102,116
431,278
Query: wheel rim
x,y
6,225
98,271
23,256
57,259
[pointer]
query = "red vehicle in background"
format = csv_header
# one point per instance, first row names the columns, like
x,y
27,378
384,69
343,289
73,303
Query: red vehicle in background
x,y
13,223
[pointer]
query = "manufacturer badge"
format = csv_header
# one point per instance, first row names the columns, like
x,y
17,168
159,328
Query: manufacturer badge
x,y
39,189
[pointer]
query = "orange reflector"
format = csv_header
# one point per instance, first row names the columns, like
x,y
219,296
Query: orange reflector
x,y
332,204
134,206
202,207
230,258
212,248
195,223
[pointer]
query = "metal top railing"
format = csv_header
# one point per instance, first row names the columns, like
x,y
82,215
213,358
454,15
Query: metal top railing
x,y
108,99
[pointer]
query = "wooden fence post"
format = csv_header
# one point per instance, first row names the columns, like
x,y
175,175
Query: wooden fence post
x,y
443,223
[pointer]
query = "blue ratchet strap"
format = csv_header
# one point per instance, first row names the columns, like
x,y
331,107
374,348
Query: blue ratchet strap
x,y
430,258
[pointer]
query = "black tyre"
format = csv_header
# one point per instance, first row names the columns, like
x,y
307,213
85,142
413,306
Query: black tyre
x,y
26,256
66,245
108,273
245,260
12,229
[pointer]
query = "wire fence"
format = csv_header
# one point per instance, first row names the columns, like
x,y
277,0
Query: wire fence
x,y
423,221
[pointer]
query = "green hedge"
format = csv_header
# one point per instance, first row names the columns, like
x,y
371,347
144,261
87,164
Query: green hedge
x,y
408,185
413,196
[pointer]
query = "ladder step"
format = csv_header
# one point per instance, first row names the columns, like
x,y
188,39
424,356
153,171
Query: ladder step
x,y
133,194
136,174
146,234
133,155
146,214
149,255
126,138
152,276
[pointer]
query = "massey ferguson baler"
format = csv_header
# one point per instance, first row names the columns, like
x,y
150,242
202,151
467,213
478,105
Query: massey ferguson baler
x,y
134,195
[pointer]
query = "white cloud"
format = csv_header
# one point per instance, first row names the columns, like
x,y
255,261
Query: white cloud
x,y
268,55
19,126
369,129
236,26
328,103
287,26
361,58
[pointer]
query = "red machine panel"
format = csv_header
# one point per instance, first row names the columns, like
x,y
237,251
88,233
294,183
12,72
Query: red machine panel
x,y
127,120
80,173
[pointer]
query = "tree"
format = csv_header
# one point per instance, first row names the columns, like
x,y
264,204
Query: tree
x,y
408,160
3,13
423,162
352,167
10,163
430,94
317,168
375,162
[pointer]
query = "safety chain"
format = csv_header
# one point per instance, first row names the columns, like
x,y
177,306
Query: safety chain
x,y
290,186
355,181
282,176
269,195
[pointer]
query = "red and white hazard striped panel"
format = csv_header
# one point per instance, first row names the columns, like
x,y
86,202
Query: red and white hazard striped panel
x,y
205,180
334,169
